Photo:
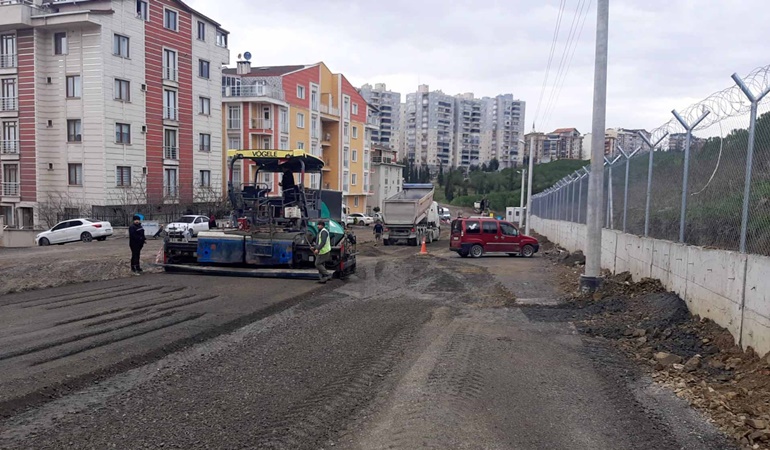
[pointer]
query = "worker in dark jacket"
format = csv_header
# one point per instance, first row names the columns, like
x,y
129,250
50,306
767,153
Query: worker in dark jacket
x,y
322,250
136,241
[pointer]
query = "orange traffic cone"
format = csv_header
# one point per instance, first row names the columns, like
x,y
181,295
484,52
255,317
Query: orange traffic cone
x,y
423,249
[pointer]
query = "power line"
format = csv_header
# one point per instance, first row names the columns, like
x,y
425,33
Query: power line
x,y
570,46
550,56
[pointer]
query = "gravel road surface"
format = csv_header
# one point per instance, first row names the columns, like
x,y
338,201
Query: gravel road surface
x,y
413,352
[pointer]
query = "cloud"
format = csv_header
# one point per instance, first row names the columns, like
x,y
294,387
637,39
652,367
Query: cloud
x,y
662,53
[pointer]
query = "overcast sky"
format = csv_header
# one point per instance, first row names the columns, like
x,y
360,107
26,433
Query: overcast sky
x,y
663,54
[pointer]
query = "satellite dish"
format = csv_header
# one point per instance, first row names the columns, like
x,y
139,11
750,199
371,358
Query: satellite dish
x,y
247,56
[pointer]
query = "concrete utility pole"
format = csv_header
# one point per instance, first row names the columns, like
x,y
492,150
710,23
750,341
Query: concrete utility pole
x,y
529,181
521,201
591,280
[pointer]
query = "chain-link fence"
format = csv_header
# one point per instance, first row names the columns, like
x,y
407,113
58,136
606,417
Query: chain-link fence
x,y
710,149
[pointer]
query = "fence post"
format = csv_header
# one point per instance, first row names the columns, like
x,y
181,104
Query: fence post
x,y
610,200
686,174
625,188
649,178
572,209
749,155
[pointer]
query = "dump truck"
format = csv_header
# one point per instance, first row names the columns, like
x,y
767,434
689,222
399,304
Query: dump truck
x,y
274,233
411,215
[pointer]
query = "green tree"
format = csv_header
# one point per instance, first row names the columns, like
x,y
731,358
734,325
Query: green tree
x,y
441,174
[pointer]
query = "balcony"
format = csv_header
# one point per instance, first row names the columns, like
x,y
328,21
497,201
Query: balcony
x,y
261,124
331,110
9,148
171,152
170,192
8,61
11,189
16,13
9,103
252,91
170,113
171,73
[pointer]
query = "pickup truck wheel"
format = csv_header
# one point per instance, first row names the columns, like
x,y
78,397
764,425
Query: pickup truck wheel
x,y
527,251
477,251
86,237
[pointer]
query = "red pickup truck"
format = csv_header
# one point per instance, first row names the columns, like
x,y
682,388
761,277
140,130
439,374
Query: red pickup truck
x,y
476,236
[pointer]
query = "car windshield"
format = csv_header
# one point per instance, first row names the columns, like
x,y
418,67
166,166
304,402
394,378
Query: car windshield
x,y
186,219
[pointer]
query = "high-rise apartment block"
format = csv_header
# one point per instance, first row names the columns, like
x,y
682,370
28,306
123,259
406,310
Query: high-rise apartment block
x,y
108,102
388,110
300,107
461,130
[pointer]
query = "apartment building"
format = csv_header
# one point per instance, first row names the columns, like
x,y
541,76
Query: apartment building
x,y
562,143
459,131
536,141
107,102
503,130
387,175
468,123
299,107
388,109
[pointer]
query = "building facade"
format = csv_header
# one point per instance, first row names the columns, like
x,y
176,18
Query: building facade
x,y
388,110
562,143
303,107
387,175
108,103
461,130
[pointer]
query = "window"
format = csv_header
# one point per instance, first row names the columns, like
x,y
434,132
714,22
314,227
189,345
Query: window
x,y
142,10
345,157
9,143
346,107
314,103
74,132
489,227
8,95
170,19
508,229
170,148
355,155
283,119
122,90
284,144
201,31
355,200
205,142
170,187
75,177
60,43
204,68
74,86
122,133
300,145
123,176
353,179
120,46
169,105
355,132
355,109
300,120
233,117
472,227
169,65
300,91
204,106
346,130
234,142
366,181
221,39
205,178
8,51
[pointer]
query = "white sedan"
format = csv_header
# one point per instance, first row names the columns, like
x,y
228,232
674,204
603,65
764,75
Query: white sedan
x,y
359,218
187,227
74,230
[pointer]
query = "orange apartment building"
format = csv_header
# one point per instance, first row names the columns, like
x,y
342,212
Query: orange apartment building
x,y
299,107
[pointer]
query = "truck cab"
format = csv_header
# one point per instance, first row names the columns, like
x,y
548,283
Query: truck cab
x,y
476,236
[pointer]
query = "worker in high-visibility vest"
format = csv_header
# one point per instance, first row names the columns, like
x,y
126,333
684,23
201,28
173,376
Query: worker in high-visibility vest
x,y
322,251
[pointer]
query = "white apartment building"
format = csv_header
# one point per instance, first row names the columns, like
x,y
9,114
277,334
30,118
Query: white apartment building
x,y
429,133
387,175
388,106
108,103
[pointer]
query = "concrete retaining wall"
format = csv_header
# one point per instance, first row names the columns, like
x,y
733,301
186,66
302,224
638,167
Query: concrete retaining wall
x,y
714,283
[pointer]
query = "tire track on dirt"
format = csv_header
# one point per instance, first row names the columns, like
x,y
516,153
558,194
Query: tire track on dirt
x,y
101,295
79,293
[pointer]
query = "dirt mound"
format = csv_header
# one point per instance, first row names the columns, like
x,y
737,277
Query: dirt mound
x,y
696,357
